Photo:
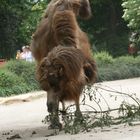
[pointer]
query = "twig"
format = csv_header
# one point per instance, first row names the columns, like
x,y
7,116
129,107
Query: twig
x,y
121,93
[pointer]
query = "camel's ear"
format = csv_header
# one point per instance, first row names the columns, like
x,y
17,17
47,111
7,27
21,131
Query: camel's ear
x,y
85,9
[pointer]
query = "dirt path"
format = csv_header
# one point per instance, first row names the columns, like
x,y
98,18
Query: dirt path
x,y
21,116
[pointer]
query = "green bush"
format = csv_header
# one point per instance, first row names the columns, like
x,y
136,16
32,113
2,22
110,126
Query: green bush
x,y
17,77
8,79
10,83
129,60
19,66
24,69
103,58
121,68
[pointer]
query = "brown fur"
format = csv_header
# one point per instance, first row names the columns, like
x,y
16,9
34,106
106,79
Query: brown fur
x,y
62,71
59,27
62,51
65,64
63,74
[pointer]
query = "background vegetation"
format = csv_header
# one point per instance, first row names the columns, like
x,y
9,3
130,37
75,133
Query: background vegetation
x,y
18,77
107,29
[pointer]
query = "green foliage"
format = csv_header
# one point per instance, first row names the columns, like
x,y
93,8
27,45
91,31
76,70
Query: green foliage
x,y
107,30
132,16
19,19
25,70
129,60
132,13
117,68
9,23
11,83
20,75
103,58
18,66
129,111
32,17
17,77
9,79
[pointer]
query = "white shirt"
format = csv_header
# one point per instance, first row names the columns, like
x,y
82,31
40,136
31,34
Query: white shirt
x,y
28,56
23,55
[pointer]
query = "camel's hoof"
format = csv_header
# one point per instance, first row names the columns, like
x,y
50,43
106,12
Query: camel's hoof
x,y
78,117
55,126
63,112
78,114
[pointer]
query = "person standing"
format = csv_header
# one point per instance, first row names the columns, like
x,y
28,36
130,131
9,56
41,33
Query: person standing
x,y
23,54
29,56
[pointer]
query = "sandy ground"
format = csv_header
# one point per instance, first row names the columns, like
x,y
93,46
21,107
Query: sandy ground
x,y
21,116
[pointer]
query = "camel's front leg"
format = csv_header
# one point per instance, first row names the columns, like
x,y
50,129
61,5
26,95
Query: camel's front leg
x,y
78,111
53,106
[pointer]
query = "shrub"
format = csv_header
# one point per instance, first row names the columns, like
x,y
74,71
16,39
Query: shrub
x,y
10,83
121,68
103,58
8,79
24,69
19,66
17,77
125,60
129,60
